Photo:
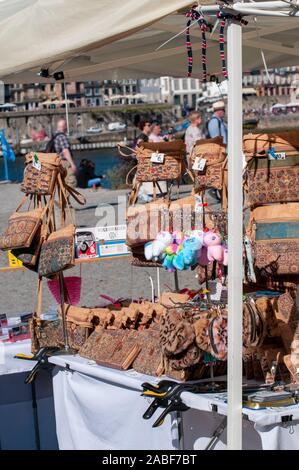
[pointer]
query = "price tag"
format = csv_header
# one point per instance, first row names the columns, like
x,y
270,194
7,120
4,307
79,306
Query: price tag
x,y
199,164
216,290
158,158
280,155
36,163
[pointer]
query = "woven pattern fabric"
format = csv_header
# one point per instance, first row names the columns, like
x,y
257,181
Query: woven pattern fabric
x,y
38,182
272,185
277,257
56,255
21,230
147,171
213,151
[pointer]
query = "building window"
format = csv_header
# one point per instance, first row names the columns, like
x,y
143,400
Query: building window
x,y
185,84
88,92
97,91
176,84
177,100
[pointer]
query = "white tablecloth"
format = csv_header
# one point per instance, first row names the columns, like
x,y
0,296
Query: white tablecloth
x,y
106,403
98,408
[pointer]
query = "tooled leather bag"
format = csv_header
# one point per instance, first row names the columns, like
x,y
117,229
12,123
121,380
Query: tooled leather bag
x,y
41,180
274,234
272,172
22,227
170,169
214,173
57,252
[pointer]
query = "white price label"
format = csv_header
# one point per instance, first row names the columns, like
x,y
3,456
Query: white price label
x,y
158,157
280,155
199,164
198,204
36,163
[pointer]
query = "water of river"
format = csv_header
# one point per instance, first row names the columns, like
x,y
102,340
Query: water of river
x,y
104,160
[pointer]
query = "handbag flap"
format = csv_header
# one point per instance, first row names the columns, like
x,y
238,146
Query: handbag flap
x,y
213,150
259,144
65,232
45,158
177,148
277,212
34,214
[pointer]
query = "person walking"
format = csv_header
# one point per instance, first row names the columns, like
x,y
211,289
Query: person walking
x,y
145,127
217,126
193,132
63,149
155,135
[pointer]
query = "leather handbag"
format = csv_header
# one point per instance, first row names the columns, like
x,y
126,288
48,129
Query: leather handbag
x,y
213,151
271,181
30,256
57,252
274,234
117,349
163,161
22,227
258,145
272,172
40,173
149,361
170,168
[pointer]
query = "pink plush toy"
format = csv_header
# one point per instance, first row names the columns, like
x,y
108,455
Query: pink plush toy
x,y
212,241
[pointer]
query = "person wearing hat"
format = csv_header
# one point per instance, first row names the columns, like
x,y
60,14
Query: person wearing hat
x,y
217,126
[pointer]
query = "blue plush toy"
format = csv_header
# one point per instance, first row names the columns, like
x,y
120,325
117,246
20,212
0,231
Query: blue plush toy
x,y
189,254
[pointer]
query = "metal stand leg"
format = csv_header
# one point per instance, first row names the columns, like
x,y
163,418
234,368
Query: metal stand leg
x,y
180,424
35,416
176,281
158,283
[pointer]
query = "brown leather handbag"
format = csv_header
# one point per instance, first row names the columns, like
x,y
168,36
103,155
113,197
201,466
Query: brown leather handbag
x,y
57,252
40,173
274,234
22,227
163,161
213,151
272,172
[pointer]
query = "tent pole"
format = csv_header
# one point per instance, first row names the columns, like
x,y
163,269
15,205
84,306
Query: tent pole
x,y
235,235
66,109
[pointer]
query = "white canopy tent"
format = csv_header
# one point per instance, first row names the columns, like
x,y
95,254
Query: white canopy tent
x,y
100,39
97,39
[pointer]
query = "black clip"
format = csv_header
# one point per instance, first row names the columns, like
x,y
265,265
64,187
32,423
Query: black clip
x,y
214,408
287,419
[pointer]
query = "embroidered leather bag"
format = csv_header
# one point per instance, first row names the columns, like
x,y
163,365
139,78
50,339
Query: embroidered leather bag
x,y
274,233
272,172
171,166
22,227
213,175
58,252
40,173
